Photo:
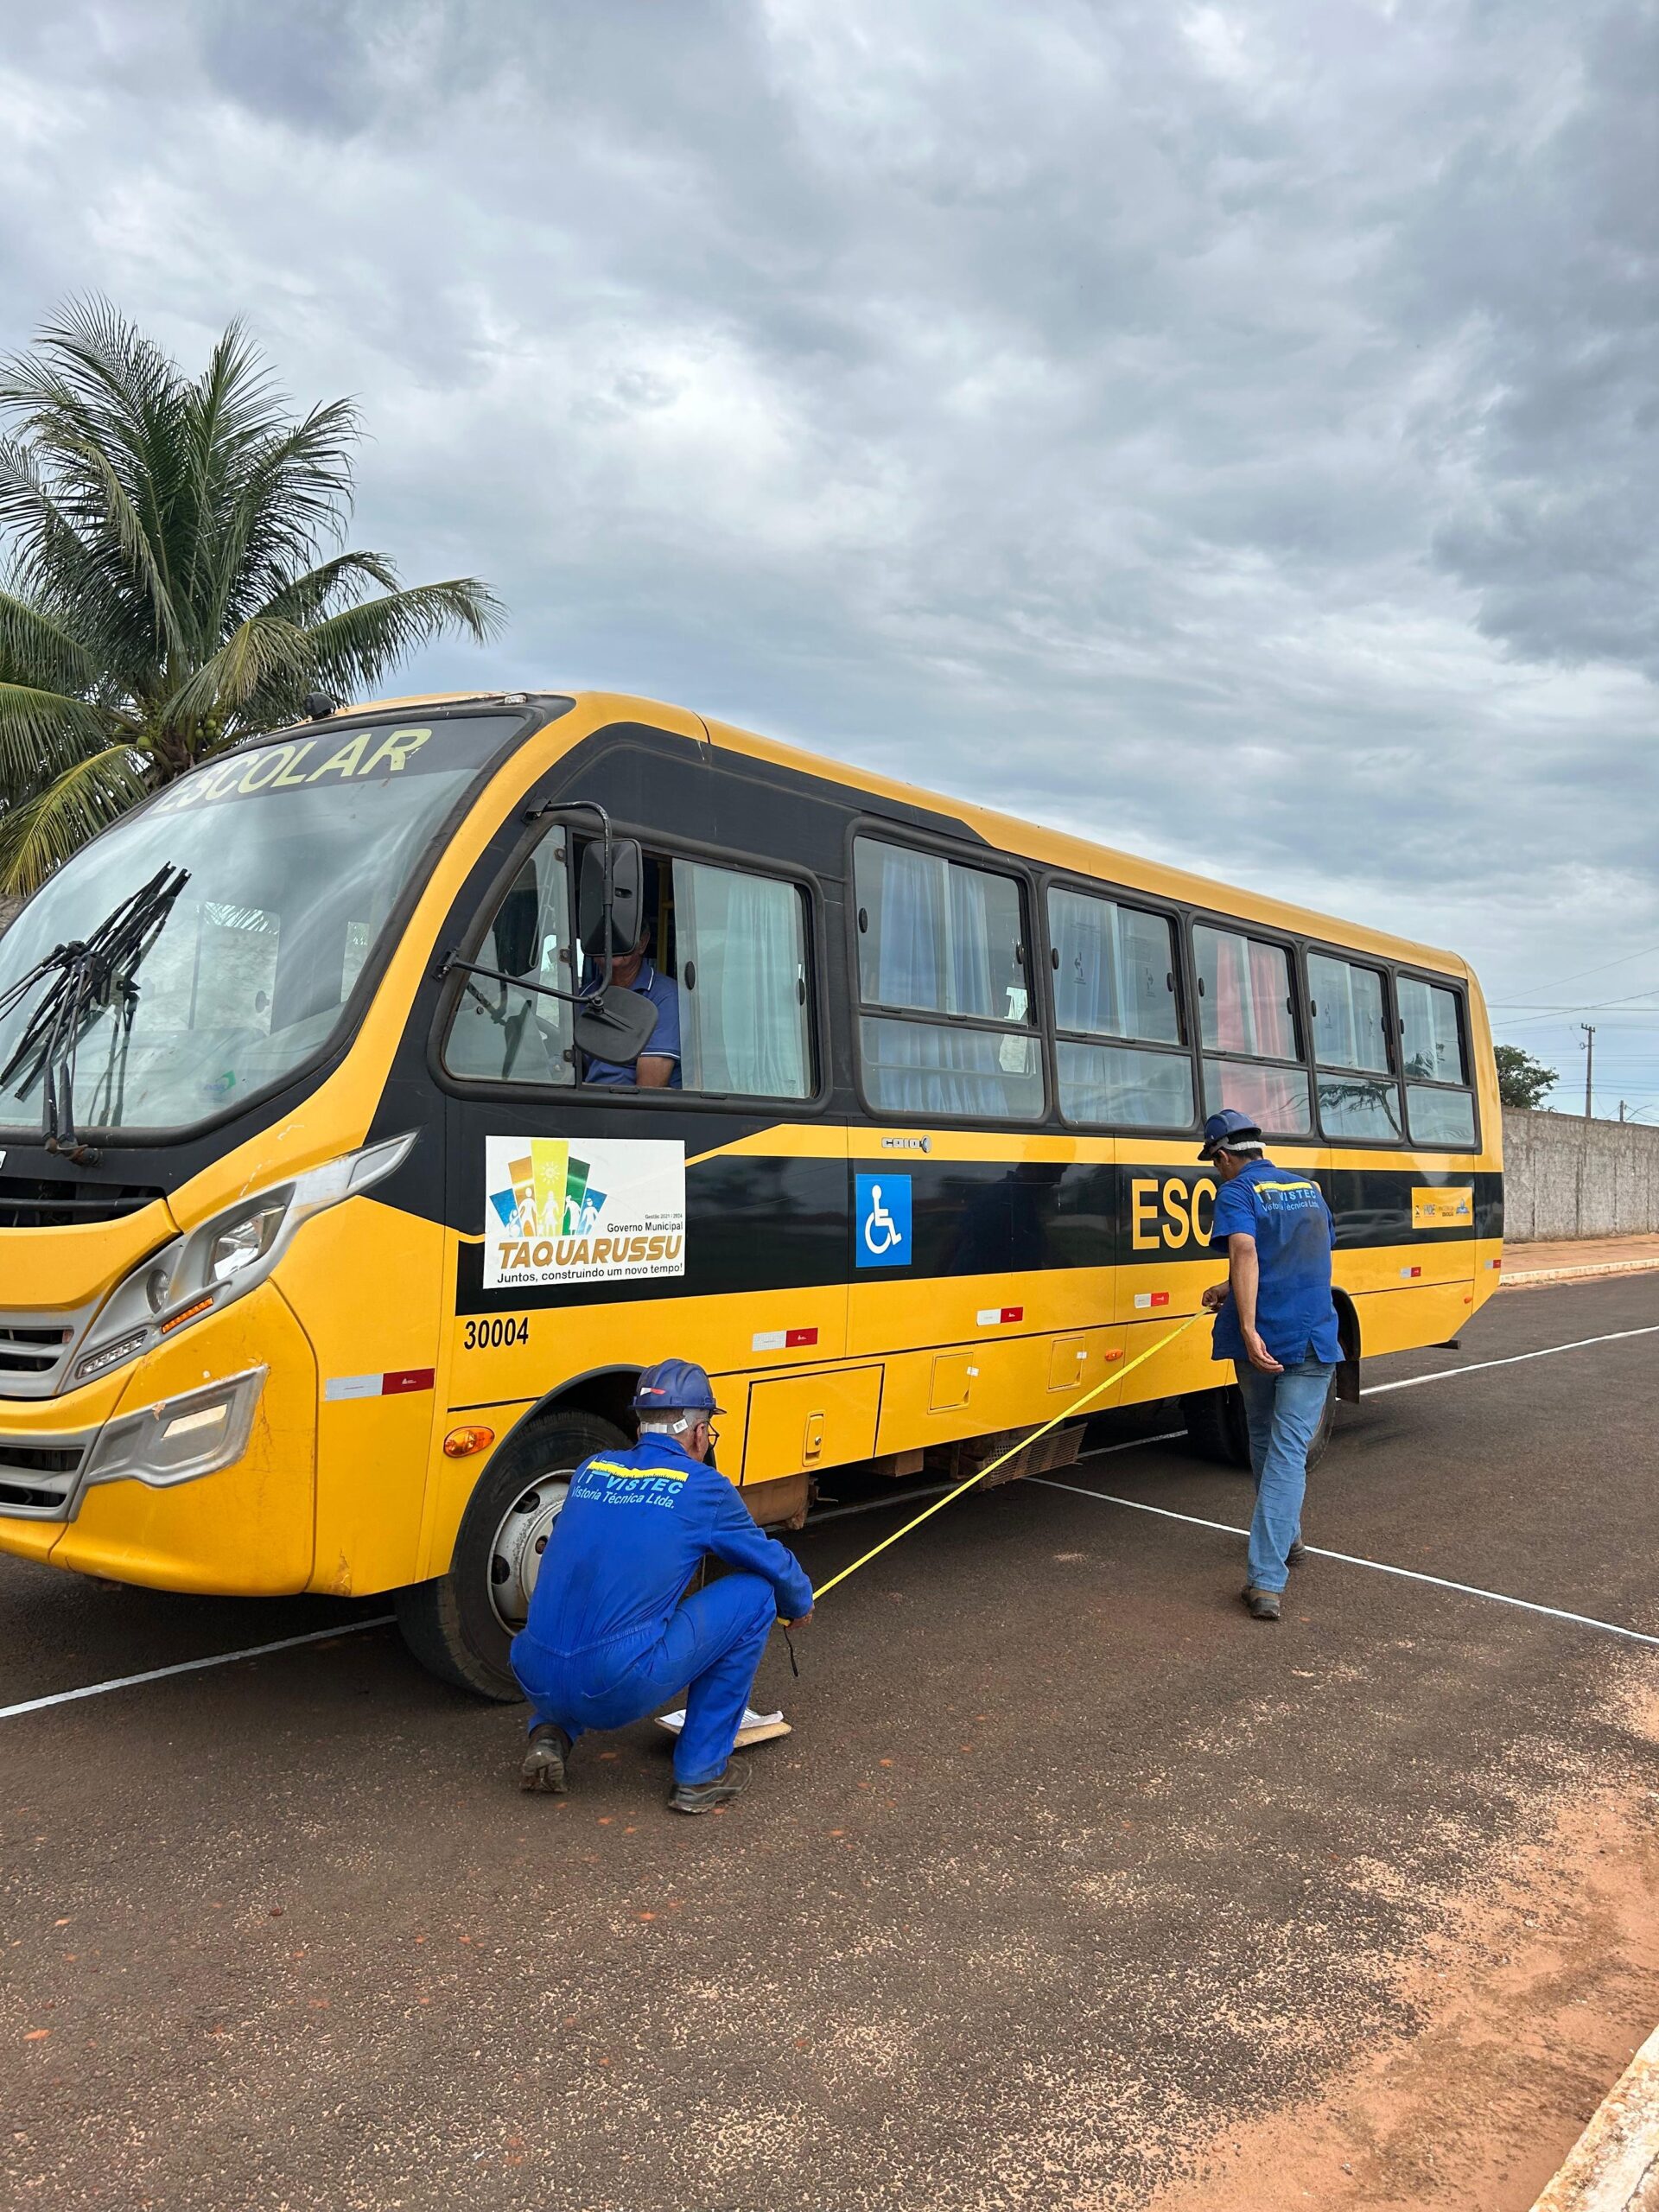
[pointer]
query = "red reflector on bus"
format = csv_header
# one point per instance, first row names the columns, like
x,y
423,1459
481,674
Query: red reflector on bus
x,y
1013,1313
793,1336
1161,1298
406,1378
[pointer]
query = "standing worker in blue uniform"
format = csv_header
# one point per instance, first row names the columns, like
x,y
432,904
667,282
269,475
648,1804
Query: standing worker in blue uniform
x,y
610,1637
1276,1321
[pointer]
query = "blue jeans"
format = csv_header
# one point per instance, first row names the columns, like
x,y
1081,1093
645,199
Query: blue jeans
x,y
712,1640
1284,1412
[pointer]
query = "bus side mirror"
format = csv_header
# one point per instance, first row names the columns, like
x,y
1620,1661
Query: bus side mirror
x,y
620,902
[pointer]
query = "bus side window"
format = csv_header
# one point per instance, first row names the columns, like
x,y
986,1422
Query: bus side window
x,y
1115,978
1247,1026
1359,1098
938,938
744,1002
503,1033
1439,1106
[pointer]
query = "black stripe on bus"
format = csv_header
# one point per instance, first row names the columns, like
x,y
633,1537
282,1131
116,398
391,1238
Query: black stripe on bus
x,y
757,1223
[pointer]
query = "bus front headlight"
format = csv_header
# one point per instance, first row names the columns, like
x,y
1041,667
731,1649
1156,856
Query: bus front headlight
x,y
245,1242
199,1272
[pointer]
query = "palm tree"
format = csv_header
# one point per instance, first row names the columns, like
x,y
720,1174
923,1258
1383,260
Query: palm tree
x,y
171,584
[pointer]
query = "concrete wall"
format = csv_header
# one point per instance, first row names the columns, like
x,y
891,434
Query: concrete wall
x,y
1566,1177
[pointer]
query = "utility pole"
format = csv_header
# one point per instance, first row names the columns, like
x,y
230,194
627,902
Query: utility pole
x,y
1621,1110
1589,1029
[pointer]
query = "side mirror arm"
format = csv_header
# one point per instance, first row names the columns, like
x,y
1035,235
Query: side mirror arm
x,y
592,1007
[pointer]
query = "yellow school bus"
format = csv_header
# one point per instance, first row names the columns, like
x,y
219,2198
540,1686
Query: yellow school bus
x,y
340,1206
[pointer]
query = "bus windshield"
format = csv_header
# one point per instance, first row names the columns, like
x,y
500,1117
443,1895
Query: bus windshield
x,y
294,852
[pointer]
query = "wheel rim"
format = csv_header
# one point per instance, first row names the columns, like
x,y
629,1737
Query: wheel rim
x,y
516,1554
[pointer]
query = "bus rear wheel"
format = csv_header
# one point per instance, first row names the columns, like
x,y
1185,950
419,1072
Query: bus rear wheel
x,y
1216,1427
1218,1430
460,1626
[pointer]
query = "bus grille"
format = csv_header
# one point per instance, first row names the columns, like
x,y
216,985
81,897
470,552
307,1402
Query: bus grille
x,y
38,1481
35,1202
35,1349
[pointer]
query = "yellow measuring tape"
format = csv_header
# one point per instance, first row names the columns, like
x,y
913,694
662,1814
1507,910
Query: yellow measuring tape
x,y
1013,1453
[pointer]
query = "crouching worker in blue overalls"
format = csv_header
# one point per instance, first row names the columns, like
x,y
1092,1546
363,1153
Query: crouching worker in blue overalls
x,y
609,1637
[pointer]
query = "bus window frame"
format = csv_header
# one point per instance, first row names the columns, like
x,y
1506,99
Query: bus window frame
x,y
1469,1088
989,859
1352,958
543,814
1212,918
1176,917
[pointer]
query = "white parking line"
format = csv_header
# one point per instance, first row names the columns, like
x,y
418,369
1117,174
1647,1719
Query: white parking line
x,y
193,1666
1350,1559
1513,1359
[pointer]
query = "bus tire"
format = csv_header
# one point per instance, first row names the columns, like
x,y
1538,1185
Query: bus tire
x,y
459,1625
1321,1443
1215,1426
1218,1430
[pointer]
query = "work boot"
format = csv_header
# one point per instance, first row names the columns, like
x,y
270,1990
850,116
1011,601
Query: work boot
x,y
705,1796
1297,1554
1263,1604
544,1757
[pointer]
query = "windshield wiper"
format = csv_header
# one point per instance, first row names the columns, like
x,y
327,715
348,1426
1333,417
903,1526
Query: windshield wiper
x,y
88,975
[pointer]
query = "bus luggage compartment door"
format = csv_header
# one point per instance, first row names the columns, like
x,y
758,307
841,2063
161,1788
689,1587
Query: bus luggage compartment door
x,y
802,1423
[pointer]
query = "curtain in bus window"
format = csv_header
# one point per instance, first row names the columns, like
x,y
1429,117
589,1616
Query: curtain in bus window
x,y
1116,969
1348,1025
901,953
743,1018
1085,933
936,938
1429,1033
1116,1088
1275,1099
923,1067
1245,1000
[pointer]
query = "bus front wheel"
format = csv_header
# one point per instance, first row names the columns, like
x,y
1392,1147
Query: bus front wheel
x,y
460,1625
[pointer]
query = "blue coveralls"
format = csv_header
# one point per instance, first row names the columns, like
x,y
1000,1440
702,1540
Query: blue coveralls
x,y
609,1639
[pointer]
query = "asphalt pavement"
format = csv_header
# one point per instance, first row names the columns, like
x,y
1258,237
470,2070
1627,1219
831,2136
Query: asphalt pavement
x,y
1068,1864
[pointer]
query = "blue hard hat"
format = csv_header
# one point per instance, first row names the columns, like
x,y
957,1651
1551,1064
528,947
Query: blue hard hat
x,y
1230,1122
675,1386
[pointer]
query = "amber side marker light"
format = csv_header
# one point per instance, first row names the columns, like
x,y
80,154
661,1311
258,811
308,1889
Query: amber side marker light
x,y
461,1443
189,1313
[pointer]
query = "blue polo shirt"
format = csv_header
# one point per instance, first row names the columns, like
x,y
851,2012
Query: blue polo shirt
x,y
1286,1214
663,1044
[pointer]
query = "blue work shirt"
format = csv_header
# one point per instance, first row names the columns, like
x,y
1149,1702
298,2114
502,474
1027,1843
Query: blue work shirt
x,y
663,1042
1286,1214
634,1531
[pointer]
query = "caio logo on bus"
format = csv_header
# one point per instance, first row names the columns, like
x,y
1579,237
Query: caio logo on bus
x,y
1171,1212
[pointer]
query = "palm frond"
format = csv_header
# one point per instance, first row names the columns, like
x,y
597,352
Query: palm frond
x,y
356,648
264,655
308,598
39,835
41,734
36,649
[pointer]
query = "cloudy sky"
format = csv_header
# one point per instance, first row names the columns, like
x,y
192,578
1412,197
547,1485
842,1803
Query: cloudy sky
x,y
1230,429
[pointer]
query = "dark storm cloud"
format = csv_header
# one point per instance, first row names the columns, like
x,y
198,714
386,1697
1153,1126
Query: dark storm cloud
x,y
1069,404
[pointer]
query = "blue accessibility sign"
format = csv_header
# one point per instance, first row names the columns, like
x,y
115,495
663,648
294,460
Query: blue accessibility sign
x,y
882,1214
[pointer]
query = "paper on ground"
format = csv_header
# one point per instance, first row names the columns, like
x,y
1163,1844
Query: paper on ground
x,y
756,1728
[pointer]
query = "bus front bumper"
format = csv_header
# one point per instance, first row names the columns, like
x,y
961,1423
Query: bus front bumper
x,y
195,1470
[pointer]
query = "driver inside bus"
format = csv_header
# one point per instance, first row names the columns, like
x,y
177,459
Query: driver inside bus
x,y
657,1067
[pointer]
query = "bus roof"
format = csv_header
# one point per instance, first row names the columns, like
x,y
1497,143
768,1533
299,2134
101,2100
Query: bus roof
x,y
1011,833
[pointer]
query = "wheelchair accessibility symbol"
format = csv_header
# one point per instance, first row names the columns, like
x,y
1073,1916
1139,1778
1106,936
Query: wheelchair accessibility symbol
x,y
882,1213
